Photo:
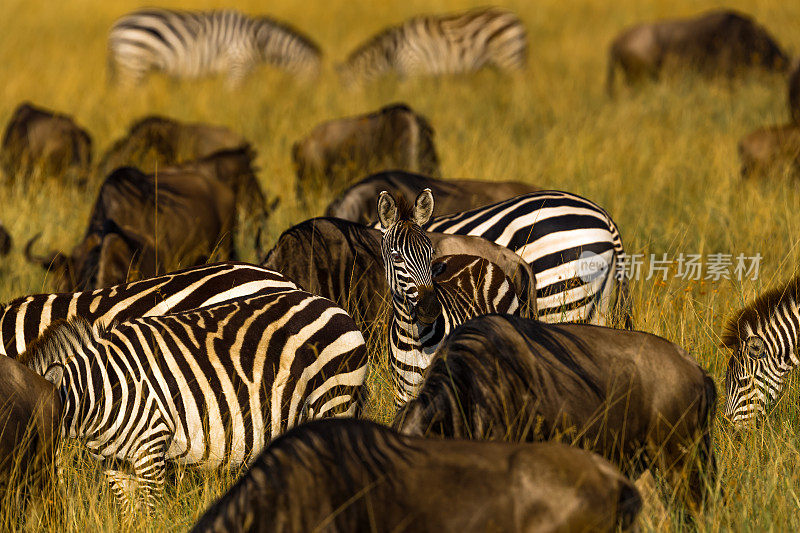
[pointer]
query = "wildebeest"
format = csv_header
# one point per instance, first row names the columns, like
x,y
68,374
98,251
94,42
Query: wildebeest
x,y
40,139
5,240
357,203
143,225
155,142
338,152
720,42
30,420
635,398
794,92
354,475
770,150
341,260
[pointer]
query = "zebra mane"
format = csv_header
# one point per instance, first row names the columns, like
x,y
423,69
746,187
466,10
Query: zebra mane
x,y
405,210
59,342
381,44
272,24
760,310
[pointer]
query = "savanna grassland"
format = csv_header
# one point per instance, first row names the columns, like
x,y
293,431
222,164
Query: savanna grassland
x,y
662,160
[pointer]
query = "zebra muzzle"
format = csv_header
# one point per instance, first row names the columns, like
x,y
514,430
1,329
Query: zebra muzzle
x,y
428,308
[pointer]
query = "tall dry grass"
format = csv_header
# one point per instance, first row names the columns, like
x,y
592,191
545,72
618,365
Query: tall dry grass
x,y
661,159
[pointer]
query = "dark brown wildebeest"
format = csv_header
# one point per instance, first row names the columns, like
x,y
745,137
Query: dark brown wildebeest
x,y
141,227
357,203
720,42
155,142
341,260
338,152
355,475
794,92
771,150
635,398
5,240
38,138
30,421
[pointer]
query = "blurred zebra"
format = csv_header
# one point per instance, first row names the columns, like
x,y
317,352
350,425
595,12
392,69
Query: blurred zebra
x,y
428,305
764,337
449,44
190,44
206,388
24,319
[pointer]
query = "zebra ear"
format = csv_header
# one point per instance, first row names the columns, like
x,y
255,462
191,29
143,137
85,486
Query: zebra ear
x,y
55,374
387,210
423,207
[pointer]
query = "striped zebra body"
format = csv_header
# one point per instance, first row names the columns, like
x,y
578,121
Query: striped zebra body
x,y
764,337
427,306
559,234
188,44
24,319
206,388
435,45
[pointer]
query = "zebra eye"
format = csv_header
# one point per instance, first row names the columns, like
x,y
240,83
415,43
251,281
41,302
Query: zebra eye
x,y
396,257
756,348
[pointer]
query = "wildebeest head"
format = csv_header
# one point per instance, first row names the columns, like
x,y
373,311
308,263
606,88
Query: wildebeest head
x,y
408,254
763,353
78,270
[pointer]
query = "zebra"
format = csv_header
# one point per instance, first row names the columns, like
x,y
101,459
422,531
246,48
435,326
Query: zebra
x,y
764,337
206,388
572,245
24,319
427,305
190,44
448,44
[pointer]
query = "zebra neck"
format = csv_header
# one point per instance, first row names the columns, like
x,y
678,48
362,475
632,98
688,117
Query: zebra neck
x,y
83,405
781,330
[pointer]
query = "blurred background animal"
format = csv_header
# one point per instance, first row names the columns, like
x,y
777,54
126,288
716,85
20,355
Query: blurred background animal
x,y
5,241
191,44
794,92
339,152
155,142
771,151
141,227
442,44
357,203
37,139
721,42
354,475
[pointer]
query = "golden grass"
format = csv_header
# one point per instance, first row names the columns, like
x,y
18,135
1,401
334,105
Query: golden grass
x,y
662,160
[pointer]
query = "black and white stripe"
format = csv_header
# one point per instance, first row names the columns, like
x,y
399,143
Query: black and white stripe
x,y
24,319
206,388
572,245
764,337
190,44
448,44
426,306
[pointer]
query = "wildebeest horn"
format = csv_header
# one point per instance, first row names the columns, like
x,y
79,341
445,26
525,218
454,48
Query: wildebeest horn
x,y
55,258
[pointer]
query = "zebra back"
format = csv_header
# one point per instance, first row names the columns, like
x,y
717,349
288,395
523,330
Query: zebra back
x,y
22,320
572,244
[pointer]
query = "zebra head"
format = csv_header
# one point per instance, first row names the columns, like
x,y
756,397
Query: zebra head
x,y
763,337
407,256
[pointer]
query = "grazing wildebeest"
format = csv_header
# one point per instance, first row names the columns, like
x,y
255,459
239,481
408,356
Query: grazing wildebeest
x,y
720,42
764,338
357,203
5,240
794,92
355,475
144,225
338,152
771,150
38,138
341,260
635,398
30,418
155,142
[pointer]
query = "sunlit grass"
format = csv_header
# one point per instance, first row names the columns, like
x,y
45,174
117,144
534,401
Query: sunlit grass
x,y
662,160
